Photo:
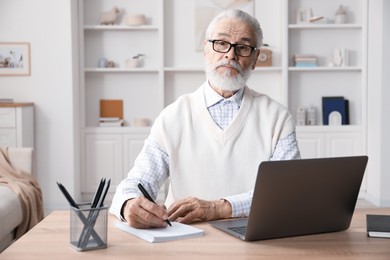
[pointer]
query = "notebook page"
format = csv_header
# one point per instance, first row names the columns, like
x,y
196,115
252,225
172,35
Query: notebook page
x,y
174,232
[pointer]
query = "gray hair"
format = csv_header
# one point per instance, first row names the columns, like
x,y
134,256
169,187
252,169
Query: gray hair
x,y
243,16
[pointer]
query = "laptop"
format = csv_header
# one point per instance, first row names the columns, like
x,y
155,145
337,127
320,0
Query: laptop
x,y
300,197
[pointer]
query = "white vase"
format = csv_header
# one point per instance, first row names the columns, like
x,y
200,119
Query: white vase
x,y
341,15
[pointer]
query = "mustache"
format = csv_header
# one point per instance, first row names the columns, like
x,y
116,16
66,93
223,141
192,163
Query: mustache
x,y
231,63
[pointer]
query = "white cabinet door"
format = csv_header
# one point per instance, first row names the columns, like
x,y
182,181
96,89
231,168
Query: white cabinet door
x,y
311,145
103,159
17,125
7,137
330,143
343,144
7,117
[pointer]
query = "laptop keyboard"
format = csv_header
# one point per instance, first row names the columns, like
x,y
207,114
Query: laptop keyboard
x,y
239,230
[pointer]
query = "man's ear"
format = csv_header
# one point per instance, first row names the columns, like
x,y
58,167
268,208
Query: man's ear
x,y
257,53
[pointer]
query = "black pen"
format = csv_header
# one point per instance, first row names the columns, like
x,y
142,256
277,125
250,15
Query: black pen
x,y
97,195
67,195
103,196
146,194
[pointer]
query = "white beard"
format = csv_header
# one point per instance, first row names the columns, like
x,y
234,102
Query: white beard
x,y
226,81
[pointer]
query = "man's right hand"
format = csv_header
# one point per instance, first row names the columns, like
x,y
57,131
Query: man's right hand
x,y
142,213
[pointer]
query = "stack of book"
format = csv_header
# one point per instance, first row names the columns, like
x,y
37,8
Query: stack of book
x,y
110,121
305,60
6,100
111,112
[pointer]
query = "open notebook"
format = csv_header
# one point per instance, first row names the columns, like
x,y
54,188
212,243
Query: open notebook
x,y
174,232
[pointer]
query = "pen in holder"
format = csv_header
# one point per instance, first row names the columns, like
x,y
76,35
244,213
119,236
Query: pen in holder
x,y
88,222
88,227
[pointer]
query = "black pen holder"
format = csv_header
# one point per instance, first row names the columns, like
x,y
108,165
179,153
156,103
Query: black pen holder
x,y
88,227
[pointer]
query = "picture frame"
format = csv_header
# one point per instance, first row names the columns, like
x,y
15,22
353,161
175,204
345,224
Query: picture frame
x,y
206,10
304,15
15,59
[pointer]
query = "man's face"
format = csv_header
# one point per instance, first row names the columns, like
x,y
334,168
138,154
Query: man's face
x,y
229,66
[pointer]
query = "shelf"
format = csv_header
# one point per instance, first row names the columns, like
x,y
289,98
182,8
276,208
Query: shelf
x,y
172,69
324,68
121,27
328,128
268,69
120,70
325,26
116,130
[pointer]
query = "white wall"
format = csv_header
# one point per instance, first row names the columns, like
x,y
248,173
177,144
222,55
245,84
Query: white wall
x,y
50,86
378,103
386,96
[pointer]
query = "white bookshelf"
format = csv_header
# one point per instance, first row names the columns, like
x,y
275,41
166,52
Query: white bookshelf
x,y
307,86
173,67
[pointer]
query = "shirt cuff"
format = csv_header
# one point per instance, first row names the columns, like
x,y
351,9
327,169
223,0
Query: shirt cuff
x,y
241,204
117,203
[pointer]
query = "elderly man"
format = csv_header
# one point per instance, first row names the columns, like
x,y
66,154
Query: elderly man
x,y
209,143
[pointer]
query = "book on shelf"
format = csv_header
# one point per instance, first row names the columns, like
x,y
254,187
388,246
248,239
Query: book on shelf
x,y
109,119
305,64
6,100
305,60
378,225
154,235
304,56
111,108
117,123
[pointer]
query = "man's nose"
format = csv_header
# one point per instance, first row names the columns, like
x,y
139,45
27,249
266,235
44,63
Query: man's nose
x,y
231,54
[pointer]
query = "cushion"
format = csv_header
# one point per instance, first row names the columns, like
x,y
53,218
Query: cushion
x,y
10,211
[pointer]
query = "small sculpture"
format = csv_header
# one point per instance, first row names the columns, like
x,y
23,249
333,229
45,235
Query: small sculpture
x,y
135,19
311,116
110,64
265,57
102,63
341,15
335,118
301,116
337,60
105,63
109,17
136,61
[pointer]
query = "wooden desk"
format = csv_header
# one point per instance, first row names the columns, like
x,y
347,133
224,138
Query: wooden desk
x,y
50,240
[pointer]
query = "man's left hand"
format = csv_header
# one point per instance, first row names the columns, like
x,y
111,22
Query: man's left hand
x,y
194,209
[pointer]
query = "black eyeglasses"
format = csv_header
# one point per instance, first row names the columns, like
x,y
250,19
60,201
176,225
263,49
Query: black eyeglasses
x,y
239,49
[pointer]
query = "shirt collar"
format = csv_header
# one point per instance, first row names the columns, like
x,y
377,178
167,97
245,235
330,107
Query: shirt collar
x,y
212,97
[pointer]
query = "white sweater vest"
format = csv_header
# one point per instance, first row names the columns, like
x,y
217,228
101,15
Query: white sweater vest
x,y
208,162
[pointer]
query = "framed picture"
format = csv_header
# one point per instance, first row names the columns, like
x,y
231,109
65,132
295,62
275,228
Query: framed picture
x,y
205,10
303,15
14,59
